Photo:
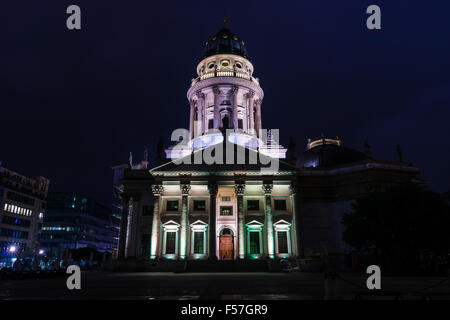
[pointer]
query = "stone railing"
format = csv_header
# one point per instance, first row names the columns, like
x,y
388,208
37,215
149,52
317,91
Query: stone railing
x,y
224,74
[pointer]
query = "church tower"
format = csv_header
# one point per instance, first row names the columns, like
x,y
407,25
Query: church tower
x,y
226,95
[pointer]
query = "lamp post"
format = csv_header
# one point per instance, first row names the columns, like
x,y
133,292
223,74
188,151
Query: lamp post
x,y
12,249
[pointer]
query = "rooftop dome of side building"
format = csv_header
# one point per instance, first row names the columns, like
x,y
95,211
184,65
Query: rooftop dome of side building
x,y
324,152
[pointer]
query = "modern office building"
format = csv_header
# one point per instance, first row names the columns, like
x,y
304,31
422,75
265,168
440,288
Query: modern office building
x,y
75,221
22,209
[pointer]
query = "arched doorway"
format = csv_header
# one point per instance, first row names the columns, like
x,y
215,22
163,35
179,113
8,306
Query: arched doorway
x,y
226,244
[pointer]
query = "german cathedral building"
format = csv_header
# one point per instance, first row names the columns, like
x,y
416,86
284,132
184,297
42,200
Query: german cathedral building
x,y
218,195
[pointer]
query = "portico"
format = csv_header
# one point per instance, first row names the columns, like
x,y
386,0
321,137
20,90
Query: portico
x,y
241,220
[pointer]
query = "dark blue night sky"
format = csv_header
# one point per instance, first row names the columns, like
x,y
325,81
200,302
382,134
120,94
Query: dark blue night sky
x,y
74,103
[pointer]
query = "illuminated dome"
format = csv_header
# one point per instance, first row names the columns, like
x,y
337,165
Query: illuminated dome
x,y
328,153
225,42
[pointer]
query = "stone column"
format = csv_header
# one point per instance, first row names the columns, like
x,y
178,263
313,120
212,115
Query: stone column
x,y
216,107
157,191
251,112
297,238
131,244
184,227
202,112
240,189
267,188
123,226
212,187
191,119
234,92
258,117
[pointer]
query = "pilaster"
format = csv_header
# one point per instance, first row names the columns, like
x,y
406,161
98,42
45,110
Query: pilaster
x,y
240,189
267,189
184,228
157,190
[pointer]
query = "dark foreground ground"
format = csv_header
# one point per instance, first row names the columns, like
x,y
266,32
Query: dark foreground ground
x,y
218,286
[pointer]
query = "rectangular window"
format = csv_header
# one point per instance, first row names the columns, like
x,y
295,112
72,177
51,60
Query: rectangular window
x,y
16,221
199,242
199,205
147,210
145,245
171,238
172,205
254,242
240,124
252,204
282,242
211,123
280,204
226,199
226,211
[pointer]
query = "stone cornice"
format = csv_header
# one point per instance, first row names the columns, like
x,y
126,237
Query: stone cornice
x,y
225,81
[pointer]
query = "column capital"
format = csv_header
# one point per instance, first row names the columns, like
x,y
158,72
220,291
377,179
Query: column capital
x,y
267,188
216,90
185,187
234,90
293,188
200,95
239,188
157,189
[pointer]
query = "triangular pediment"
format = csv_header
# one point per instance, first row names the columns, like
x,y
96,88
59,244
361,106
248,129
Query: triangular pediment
x,y
232,157
254,223
199,223
170,223
282,222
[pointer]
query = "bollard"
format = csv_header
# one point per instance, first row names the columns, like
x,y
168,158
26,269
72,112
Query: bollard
x,y
331,285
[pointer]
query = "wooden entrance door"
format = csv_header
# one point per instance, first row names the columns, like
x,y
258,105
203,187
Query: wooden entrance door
x,y
226,247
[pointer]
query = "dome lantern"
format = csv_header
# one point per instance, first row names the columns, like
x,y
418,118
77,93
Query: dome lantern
x,y
225,41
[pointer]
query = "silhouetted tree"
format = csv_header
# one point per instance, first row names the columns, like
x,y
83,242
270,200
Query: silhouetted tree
x,y
407,227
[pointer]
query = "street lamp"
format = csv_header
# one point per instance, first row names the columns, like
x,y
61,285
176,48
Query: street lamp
x,y
12,250
41,252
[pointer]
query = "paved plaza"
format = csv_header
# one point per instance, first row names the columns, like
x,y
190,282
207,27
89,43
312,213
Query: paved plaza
x,y
219,286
